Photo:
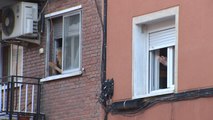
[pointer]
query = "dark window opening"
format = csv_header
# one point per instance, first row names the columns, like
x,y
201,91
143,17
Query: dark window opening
x,y
163,70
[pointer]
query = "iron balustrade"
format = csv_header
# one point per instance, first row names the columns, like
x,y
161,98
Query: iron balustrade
x,y
20,96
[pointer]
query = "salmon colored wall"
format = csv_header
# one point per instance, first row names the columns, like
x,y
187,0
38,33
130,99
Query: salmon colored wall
x,y
199,109
195,48
195,44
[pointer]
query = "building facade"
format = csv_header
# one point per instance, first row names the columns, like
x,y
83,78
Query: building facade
x,y
153,60
73,94
154,56
67,59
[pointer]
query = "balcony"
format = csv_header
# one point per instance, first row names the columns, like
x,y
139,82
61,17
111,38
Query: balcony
x,y
20,98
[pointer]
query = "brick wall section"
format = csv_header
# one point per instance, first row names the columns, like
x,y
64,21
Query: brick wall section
x,y
34,63
73,98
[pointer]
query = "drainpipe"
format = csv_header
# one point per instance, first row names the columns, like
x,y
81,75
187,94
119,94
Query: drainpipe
x,y
104,45
103,65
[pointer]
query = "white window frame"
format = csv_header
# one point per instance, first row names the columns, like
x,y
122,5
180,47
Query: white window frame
x,y
170,85
11,61
140,70
66,12
10,52
80,44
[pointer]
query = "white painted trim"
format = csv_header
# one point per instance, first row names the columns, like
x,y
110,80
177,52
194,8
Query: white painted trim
x,y
156,15
47,58
155,93
58,13
176,50
26,98
32,99
56,77
19,100
11,61
170,66
136,63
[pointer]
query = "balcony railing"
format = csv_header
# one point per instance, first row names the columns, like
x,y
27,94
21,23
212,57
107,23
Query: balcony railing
x,y
20,96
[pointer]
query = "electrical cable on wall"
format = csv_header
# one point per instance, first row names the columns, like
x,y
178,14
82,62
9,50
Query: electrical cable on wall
x,y
132,107
42,11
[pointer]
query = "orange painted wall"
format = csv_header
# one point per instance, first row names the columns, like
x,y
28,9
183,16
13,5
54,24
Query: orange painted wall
x,y
195,55
195,44
200,109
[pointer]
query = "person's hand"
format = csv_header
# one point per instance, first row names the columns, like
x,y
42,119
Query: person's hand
x,y
163,60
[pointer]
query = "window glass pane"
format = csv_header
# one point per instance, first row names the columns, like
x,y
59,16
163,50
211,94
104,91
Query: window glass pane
x,y
158,69
163,69
71,42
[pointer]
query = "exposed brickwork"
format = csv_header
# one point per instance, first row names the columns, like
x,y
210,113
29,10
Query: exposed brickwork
x,y
73,98
33,61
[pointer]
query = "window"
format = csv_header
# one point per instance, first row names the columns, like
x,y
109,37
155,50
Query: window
x,y
161,59
12,60
63,44
154,53
16,54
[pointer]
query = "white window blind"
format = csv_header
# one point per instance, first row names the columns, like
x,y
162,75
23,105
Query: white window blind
x,y
57,27
162,39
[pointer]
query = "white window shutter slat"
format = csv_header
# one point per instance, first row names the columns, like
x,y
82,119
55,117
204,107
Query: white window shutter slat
x,y
162,39
57,28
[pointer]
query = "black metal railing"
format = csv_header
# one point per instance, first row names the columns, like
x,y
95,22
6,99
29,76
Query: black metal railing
x,y
20,96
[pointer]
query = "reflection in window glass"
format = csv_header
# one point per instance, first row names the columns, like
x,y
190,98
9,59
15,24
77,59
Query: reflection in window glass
x,y
71,42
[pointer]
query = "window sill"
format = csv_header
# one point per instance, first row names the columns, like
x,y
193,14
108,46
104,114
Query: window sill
x,y
156,93
65,75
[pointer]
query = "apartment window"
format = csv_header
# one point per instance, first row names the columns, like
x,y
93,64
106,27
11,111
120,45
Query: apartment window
x,y
154,53
64,44
12,60
161,58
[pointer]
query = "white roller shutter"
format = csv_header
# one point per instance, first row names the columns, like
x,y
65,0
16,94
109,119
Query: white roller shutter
x,y
57,28
162,39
